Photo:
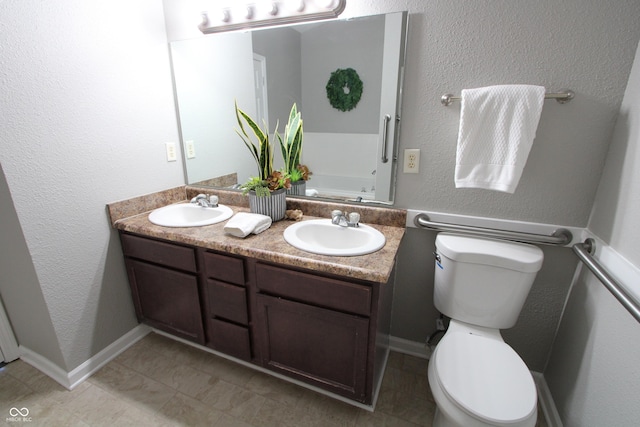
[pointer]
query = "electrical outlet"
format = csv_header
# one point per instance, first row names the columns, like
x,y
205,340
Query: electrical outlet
x,y
171,151
190,149
411,160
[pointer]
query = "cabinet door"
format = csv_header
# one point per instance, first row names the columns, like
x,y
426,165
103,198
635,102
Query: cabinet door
x,y
322,347
167,299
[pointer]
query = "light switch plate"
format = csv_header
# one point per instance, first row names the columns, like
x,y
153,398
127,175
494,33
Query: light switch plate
x,y
171,151
190,149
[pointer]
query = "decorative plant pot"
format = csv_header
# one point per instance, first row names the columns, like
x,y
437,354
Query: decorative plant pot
x,y
298,188
273,206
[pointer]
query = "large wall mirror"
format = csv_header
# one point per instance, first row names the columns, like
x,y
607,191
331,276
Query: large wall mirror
x,y
352,154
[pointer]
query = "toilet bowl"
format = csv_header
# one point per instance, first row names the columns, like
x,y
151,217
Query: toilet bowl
x,y
477,380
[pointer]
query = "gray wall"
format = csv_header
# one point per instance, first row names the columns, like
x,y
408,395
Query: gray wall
x,y
87,105
25,304
587,46
282,48
593,369
358,46
87,109
414,316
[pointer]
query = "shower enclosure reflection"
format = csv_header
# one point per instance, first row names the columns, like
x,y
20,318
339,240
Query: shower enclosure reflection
x,y
265,71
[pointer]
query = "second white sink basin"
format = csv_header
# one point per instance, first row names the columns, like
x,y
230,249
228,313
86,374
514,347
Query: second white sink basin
x,y
189,215
320,236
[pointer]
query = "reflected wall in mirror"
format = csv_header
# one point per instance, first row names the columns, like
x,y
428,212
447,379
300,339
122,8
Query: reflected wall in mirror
x,y
351,154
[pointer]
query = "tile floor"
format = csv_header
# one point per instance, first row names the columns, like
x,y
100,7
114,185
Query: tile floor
x,y
161,382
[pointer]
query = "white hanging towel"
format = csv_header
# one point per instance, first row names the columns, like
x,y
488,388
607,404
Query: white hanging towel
x,y
497,128
244,223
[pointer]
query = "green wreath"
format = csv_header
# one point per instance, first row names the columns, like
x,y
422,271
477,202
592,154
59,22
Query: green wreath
x,y
344,89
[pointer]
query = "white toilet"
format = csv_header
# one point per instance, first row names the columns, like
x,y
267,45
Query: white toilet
x,y
475,377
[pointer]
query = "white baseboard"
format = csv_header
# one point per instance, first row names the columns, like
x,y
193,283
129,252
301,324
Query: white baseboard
x,y
45,366
546,401
70,380
412,348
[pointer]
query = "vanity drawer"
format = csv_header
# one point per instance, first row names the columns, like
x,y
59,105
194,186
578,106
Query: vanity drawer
x,y
227,301
229,338
322,291
225,268
165,254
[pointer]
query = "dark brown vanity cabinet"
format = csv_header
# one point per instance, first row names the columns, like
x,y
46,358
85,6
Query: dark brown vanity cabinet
x,y
317,329
225,305
327,331
164,284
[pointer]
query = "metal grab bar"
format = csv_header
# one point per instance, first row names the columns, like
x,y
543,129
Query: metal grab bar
x,y
564,96
584,251
385,131
560,237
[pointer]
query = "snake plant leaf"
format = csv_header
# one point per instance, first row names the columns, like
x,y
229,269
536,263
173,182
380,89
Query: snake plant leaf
x,y
291,145
263,152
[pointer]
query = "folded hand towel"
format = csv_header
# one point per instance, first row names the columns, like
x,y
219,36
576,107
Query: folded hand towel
x,y
244,223
497,128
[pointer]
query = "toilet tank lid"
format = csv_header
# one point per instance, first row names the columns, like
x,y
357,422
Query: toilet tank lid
x,y
498,253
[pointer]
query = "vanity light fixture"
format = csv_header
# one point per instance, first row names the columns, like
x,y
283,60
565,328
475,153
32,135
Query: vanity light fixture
x,y
262,13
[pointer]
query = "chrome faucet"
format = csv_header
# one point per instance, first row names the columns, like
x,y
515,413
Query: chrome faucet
x,y
201,199
344,220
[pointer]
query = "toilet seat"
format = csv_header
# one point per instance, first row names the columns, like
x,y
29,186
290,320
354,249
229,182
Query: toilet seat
x,y
485,378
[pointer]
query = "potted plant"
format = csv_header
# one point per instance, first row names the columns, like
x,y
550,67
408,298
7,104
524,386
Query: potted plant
x,y
267,191
291,148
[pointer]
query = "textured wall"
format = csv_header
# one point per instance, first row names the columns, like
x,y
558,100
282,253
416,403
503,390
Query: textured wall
x,y
593,369
587,46
584,45
87,106
20,289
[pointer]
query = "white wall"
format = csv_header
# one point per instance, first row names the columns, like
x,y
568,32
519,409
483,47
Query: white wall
x,y
206,90
87,106
593,370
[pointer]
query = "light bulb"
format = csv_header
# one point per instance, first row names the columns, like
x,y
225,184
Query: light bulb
x,y
249,12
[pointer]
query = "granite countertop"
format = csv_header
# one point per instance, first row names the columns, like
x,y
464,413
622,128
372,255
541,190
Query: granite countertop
x,y
270,244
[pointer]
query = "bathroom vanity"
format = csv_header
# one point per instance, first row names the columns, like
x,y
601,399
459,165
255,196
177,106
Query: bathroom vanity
x,y
318,320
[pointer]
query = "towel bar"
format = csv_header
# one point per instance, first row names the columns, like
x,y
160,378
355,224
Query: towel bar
x,y
564,96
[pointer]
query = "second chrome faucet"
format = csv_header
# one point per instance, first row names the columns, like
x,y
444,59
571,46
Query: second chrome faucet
x,y
343,220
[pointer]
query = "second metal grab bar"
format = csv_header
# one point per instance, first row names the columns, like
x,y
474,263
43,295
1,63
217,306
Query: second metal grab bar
x,y
584,252
559,237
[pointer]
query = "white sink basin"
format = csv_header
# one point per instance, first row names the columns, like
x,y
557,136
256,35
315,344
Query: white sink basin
x,y
189,215
320,236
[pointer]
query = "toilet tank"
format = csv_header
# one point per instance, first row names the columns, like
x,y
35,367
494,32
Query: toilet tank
x,y
483,281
